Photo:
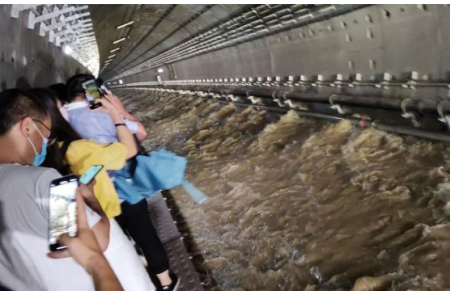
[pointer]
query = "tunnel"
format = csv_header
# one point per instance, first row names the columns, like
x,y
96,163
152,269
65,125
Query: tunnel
x,y
319,133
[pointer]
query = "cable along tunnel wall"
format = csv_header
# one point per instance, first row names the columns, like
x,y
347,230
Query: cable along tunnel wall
x,y
362,44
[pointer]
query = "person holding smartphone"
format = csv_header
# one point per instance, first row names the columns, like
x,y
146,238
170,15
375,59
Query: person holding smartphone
x,y
72,154
96,124
25,133
85,250
134,218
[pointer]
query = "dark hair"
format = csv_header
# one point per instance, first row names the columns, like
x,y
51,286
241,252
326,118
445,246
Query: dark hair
x,y
61,130
75,87
60,90
100,82
16,105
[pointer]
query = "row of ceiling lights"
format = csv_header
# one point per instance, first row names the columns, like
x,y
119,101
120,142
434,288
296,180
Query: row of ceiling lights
x,y
261,21
111,57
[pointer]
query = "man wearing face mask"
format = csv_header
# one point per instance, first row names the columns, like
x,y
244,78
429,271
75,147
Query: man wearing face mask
x,y
25,132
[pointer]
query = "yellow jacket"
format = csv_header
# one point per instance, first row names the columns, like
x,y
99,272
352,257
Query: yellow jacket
x,y
83,153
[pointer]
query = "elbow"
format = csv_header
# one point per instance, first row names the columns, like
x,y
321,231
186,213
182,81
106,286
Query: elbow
x,y
132,153
141,133
104,244
144,135
102,233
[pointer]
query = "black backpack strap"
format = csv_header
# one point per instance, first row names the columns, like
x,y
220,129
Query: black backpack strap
x,y
132,162
140,148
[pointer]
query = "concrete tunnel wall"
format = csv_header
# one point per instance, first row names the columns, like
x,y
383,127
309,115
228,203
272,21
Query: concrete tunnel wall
x,y
28,59
397,39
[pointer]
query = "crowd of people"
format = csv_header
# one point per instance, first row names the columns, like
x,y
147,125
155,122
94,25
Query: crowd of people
x,y
47,133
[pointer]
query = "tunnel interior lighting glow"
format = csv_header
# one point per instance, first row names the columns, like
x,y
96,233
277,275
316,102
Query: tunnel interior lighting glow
x,y
111,56
160,70
121,81
114,50
125,25
119,40
67,50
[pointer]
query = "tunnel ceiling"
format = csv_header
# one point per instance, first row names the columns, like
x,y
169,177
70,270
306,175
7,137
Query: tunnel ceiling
x,y
156,28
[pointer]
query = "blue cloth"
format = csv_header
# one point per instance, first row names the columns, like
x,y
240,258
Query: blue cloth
x,y
165,169
94,125
194,192
162,170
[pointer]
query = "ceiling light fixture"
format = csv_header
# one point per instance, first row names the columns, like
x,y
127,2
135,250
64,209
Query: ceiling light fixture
x,y
67,50
125,25
114,50
119,40
111,56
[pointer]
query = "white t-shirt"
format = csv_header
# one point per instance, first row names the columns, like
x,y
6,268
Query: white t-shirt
x,y
24,265
125,262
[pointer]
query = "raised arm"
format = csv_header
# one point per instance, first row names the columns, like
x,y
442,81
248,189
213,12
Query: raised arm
x,y
102,228
141,131
124,135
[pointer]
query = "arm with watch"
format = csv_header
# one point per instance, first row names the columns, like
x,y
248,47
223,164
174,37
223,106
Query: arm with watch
x,y
124,135
141,132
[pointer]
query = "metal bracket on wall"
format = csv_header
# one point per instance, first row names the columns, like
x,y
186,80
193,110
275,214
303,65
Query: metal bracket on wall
x,y
443,116
343,110
65,26
412,115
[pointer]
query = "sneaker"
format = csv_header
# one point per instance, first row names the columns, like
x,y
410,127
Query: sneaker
x,y
173,286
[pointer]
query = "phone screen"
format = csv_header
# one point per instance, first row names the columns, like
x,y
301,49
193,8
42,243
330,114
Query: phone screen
x,y
92,92
63,210
90,174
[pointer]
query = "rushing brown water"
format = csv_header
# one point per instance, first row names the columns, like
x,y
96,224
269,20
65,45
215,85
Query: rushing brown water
x,y
302,204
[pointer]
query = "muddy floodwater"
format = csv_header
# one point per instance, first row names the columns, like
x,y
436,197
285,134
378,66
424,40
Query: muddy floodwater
x,y
303,204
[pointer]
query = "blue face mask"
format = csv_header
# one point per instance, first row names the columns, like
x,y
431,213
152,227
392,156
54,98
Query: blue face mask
x,y
39,158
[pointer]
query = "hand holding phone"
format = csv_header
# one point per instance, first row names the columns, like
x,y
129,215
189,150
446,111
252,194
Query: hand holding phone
x,y
62,210
93,93
108,108
115,101
83,247
90,174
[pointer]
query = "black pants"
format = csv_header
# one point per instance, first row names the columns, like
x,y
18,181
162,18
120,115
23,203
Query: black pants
x,y
136,221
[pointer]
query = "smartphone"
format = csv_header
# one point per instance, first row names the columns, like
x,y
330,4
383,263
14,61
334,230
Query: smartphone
x,y
93,94
101,86
103,89
63,210
90,174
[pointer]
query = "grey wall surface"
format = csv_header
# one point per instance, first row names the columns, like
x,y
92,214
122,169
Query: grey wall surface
x,y
396,39
27,59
